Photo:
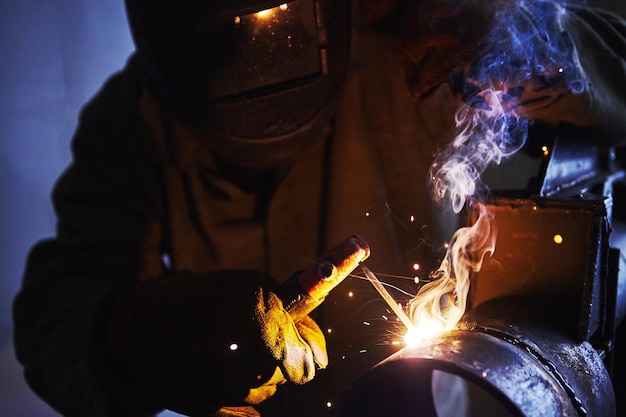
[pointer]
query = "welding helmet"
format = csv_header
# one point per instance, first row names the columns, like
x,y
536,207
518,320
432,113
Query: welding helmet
x,y
256,78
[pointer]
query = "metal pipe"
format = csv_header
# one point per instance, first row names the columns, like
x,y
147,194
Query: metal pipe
x,y
504,359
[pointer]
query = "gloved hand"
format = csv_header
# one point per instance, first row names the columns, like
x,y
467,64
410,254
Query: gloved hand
x,y
200,342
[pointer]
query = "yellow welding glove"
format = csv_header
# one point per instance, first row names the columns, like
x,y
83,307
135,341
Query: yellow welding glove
x,y
199,343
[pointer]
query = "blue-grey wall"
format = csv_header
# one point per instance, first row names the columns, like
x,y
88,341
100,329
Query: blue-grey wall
x,y
54,55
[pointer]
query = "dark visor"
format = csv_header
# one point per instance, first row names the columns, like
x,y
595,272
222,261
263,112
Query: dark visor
x,y
274,47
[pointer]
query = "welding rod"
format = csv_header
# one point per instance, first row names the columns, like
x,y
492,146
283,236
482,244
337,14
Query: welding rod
x,y
388,298
303,292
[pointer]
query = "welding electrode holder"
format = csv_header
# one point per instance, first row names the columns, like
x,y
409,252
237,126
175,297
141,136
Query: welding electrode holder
x,y
305,291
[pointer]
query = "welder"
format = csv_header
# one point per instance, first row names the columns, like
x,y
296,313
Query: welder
x,y
242,141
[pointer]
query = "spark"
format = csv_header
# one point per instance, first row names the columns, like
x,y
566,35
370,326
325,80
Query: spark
x,y
416,267
233,346
558,239
329,404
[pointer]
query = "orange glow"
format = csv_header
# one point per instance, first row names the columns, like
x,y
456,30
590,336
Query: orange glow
x,y
558,239
545,150
265,14
426,328
440,304
269,13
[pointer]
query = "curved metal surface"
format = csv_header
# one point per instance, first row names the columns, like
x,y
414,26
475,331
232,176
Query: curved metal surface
x,y
521,358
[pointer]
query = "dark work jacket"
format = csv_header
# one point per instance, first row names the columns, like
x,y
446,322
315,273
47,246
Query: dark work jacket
x,y
142,198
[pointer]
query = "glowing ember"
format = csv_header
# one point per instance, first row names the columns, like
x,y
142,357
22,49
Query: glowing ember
x,y
558,239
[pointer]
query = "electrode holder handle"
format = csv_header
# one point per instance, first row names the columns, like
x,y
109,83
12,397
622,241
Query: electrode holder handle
x,y
303,292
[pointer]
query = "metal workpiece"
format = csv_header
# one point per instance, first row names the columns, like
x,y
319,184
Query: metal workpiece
x,y
560,233
506,360
538,338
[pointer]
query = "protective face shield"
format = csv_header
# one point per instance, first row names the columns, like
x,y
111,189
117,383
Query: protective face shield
x,y
258,79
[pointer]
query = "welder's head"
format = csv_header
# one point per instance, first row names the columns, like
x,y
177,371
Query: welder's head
x,y
254,76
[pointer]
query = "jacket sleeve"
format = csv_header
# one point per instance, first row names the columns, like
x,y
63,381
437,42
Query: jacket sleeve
x,y
105,211
600,38
522,48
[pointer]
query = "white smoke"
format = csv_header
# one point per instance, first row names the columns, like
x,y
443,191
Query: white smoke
x,y
528,51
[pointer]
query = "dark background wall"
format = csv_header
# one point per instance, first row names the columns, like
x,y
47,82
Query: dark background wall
x,y
54,55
